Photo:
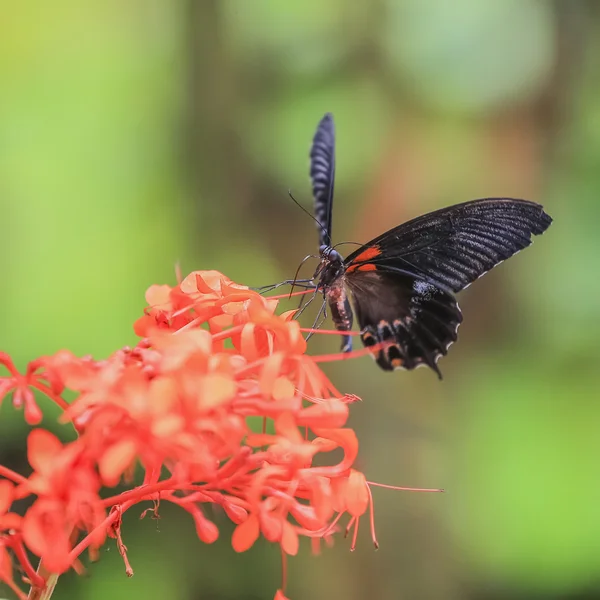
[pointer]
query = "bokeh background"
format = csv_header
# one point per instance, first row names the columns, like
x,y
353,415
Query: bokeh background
x,y
137,134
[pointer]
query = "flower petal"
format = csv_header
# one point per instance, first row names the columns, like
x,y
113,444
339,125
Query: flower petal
x,y
285,425
207,531
283,388
10,521
216,389
159,296
347,440
357,494
115,461
46,533
332,413
270,373
289,539
42,449
245,534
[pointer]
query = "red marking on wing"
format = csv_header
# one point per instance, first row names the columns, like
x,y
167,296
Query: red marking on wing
x,y
367,254
361,267
361,262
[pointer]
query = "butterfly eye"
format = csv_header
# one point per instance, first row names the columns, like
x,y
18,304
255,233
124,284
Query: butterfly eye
x,y
334,255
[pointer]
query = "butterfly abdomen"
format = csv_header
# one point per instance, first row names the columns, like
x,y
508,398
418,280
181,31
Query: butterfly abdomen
x,y
341,312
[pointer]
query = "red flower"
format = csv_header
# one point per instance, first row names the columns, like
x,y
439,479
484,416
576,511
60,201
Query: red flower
x,y
8,520
213,354
67,487
10,525
20,385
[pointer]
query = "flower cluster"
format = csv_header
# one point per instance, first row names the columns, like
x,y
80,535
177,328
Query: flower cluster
x,y
212,358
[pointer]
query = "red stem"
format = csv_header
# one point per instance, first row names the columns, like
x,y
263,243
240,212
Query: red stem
x,y
48,392
115,515
141,491
12,475
19,550
283,570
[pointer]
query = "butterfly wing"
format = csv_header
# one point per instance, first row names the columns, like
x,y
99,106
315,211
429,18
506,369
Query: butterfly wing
x,y
418,319
454,246
403,282
322,174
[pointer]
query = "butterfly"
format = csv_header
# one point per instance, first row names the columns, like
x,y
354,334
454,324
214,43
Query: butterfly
x,y
402,283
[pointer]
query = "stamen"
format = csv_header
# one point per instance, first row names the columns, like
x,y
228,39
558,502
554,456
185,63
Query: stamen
x,y
372,518
332,525
328,331
348,355
189,325
404,489
223,335
355,536
349,526
181,311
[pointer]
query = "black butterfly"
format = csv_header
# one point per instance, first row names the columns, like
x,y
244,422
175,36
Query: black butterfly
x,y
403,282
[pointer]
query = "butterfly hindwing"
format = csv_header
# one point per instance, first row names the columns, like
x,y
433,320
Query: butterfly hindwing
x,y
403,282
418,319
454,246
322,174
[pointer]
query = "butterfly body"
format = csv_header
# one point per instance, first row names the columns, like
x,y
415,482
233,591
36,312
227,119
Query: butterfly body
x,y
330,277
402,283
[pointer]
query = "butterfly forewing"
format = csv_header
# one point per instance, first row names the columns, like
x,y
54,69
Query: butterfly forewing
x,y
454,246
322,175
403,282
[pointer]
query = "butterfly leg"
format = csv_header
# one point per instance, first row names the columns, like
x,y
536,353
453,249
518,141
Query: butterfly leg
x,y
303,304
321,316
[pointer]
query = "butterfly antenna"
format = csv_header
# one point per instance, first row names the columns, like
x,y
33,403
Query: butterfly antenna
x,y
344,243
319,224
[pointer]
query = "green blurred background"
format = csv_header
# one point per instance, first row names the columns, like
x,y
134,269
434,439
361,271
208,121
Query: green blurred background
x,y
136,134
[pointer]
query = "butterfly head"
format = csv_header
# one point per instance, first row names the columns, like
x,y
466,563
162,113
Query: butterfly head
x,y
331,266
